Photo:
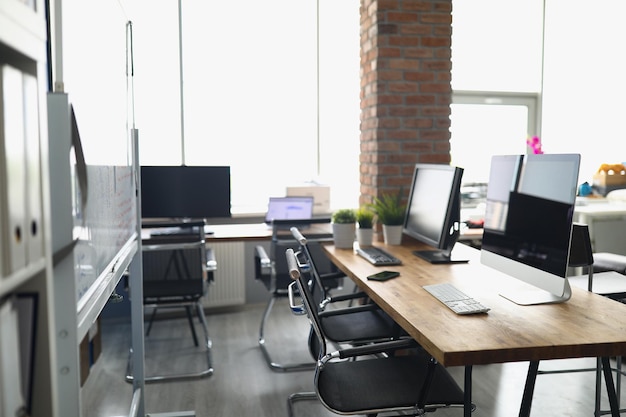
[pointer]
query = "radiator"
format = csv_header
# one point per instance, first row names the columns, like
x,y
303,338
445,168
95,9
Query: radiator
x,y
229,285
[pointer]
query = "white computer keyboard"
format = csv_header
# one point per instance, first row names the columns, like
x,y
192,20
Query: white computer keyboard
x,y
455,299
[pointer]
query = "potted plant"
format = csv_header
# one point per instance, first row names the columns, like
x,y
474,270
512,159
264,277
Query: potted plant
x,y
390,212
365,223
344,227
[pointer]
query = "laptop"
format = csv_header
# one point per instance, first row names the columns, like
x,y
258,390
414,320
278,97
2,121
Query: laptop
x,y
289,208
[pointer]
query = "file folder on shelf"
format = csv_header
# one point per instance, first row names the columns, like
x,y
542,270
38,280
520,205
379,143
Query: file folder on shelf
x,y
33,234
27,308
11,398
12,161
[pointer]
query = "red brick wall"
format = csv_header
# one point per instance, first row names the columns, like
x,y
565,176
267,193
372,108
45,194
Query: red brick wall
x,y
405,91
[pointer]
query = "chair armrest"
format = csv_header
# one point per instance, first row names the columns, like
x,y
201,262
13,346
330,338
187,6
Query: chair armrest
x,y
210,266
211,263
263,263
348,297
348,310
372,349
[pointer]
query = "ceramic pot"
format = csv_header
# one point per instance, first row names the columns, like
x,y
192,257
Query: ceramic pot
x,y
343,234
365,237
392,235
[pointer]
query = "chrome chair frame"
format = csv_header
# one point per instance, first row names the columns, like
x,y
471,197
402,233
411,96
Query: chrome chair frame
x,y
276,282
182,287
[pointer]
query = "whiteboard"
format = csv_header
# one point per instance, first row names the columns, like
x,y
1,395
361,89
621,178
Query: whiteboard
x,y
109,223
107,239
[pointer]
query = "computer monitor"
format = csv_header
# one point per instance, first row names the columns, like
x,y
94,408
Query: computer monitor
x,y
528,223
185,192
434,210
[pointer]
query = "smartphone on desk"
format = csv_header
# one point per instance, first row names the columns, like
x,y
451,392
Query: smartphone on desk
x,y
383,275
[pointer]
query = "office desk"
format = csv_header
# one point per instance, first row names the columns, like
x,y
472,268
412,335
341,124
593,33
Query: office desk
x,y
588,325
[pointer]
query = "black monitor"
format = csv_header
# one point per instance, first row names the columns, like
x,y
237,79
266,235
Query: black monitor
x,y
434,210
528,224
185,192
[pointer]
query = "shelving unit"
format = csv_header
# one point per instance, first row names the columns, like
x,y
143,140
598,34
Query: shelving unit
x,y
26,265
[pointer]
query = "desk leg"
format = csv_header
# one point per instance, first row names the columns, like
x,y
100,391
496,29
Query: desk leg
x,y
610,386
598,400
467,392
529,389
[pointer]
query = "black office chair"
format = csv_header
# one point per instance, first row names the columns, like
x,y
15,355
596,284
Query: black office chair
x,y
353,325
371,379
176,275
271,270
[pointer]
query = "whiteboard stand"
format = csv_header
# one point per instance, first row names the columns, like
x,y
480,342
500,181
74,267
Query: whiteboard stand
x,y
136,293
137,309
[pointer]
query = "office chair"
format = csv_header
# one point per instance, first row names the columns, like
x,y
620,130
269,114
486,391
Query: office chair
x,y
354,325
271,270
176,271
371,379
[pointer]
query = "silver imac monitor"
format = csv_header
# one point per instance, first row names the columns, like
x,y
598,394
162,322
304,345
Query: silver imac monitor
x,y
528,223
434,210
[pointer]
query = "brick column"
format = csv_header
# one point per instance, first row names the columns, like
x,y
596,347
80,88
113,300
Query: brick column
x,y
405,91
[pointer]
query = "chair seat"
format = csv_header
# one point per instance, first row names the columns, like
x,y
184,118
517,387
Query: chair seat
x,y
605,261
182,289
359,326
349,386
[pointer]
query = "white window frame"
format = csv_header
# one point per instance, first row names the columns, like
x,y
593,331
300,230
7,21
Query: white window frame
x,y
530,100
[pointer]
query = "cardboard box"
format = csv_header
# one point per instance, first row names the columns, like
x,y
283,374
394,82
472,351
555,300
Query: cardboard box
x,y
611,178
320,194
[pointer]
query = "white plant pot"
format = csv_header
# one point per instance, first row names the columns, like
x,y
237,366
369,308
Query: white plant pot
x,y
343,234
365,237
392,235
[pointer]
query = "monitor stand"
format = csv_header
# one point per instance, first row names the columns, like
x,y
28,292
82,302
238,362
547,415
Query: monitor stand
x,y
536,296
439,257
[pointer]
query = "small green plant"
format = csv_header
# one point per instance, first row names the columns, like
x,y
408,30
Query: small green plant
x,y
344,216
365,218
389,209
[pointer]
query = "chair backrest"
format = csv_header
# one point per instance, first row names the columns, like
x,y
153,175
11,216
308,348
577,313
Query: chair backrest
x,y
283,239
581,253
319,288
174,265
302,283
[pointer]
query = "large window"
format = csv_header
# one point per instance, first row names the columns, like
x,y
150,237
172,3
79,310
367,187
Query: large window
x,y
566,53
496,79
270,88
584,81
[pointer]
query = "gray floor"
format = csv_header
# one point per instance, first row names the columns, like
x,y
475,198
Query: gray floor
x,y
243,385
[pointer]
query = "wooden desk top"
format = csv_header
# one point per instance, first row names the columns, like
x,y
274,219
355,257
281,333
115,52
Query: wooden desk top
x,y
588,325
